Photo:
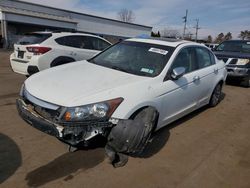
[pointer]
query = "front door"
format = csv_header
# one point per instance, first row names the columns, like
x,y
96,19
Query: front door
x,y
180,97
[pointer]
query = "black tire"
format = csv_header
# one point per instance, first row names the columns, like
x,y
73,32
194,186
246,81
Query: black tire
x,y
216,95
61,61
246,82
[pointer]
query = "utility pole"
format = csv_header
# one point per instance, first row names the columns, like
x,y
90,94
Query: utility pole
x,y
196,29
185,24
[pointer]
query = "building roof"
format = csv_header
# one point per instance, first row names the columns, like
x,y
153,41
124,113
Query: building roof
x,y
75,12
35,14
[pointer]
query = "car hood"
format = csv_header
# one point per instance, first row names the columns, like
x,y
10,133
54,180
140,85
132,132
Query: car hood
x,y
78,83
222,54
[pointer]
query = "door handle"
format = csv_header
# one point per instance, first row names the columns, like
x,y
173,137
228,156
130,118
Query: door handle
x,y
73,53
196,78
216,70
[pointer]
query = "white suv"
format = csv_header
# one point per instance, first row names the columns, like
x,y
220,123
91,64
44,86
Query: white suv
x,y
41,50
124,93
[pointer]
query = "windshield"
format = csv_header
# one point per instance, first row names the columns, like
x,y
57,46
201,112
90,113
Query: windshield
x,y
137,58
34,38
234,46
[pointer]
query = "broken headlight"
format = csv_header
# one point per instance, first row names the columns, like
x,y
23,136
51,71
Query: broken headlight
x,y
101,110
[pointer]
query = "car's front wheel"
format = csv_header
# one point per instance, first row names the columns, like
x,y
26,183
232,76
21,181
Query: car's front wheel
x,y
246,82
216,95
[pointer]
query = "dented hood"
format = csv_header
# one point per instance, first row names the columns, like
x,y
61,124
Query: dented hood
x,y
78,83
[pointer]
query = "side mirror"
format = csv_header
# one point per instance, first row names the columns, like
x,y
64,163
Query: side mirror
x,y
177,73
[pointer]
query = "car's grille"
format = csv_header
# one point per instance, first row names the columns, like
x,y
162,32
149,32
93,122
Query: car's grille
x,y
46,113
233,61
47,110
223,59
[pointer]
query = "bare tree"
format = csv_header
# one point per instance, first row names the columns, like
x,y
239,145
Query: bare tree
x,y
170,33
126,15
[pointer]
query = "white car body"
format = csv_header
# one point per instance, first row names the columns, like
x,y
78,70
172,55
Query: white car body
x,y
39,62
84,83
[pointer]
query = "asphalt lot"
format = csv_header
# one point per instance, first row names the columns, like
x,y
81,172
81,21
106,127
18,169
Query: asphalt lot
x,y
208,148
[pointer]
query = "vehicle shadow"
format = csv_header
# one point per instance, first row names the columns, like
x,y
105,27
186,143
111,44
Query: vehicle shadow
x,y
161,136
235,83
67,165
10,157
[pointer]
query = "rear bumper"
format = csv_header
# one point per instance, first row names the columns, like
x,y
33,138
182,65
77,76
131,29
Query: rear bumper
x,y
19,66
22,67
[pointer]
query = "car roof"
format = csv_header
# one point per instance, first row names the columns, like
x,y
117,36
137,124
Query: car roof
x,y
162,41
61,34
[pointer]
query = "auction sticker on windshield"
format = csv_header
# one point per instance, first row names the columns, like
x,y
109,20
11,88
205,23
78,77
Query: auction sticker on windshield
x,y
159,51
150,71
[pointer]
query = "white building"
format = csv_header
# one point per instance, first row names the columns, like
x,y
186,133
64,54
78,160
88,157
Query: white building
x,y
18,17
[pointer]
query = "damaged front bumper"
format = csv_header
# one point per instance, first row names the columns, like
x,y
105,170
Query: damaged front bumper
x,y
71,133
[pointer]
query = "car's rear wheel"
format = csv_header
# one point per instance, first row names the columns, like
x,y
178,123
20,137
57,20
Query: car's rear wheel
x,y
216,95
61,61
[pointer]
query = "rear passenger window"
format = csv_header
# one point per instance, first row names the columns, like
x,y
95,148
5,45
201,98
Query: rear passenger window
x,y
99,44
71,41
83,42
212,58
204,58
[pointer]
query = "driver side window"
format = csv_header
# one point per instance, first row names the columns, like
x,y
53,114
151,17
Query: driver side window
x,y
186,59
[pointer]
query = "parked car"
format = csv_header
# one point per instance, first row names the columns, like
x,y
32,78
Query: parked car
x,y
211,45
236,55
41,50
124,93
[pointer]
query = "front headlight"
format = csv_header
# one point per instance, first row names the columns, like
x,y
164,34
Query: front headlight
x,y
101,110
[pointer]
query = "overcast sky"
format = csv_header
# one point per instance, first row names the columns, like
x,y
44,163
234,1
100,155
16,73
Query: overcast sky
x,y
215,15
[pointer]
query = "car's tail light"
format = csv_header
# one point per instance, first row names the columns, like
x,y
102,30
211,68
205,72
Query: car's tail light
x,y
38,50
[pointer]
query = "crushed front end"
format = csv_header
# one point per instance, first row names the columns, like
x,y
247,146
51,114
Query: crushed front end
x,y
49,118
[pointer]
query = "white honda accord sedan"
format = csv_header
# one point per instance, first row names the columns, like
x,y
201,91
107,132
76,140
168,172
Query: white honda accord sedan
x,y
124,93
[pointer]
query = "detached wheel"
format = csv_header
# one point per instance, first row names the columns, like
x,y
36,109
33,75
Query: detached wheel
x,y
216,96
130,137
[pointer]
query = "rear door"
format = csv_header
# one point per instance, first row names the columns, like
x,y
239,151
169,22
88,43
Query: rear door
x,y
208,72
